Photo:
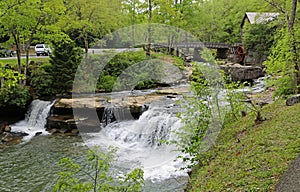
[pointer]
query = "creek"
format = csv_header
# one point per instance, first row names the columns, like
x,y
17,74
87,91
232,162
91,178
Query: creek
x,y
33,164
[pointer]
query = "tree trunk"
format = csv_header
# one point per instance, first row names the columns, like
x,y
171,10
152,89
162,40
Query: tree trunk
x,y
27,48
86,44
293,15
293,48
26,64
18,51
148,49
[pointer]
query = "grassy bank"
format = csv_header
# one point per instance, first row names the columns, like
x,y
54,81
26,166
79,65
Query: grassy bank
x,y
250,157
13,62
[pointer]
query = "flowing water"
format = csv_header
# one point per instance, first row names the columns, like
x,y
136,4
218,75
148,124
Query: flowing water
x,y
32,165
35,119
140,143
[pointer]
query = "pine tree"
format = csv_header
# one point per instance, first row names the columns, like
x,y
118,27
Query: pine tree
x,y
65,60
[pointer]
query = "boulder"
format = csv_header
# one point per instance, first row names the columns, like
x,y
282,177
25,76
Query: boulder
x,y
12,137
7,128
3,125
237,72
38,133
293,100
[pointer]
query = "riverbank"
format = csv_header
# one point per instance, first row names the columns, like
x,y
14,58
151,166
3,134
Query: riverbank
x,y
250,156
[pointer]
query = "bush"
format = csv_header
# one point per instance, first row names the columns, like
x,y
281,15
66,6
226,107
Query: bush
x,y
17,96
11,92
141,76
41,80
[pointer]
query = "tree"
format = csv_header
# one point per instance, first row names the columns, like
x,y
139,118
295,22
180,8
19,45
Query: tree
x,y
64,62
24,19
98,177
91,19
258,39
284,60
222,18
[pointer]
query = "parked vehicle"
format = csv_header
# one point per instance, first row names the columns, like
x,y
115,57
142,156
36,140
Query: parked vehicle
x,y
6,52
42,49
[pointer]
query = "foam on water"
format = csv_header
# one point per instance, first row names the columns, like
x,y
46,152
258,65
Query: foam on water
x,y
35,120
139,143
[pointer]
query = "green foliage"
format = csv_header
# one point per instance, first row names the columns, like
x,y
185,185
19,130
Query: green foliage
x,y
97,175
106,82
64,63
221,19
11,92
41,80
236,103
279,64
176,61
258,38
86,21
119,63
135,71
196,119
14,96
207,110
202,111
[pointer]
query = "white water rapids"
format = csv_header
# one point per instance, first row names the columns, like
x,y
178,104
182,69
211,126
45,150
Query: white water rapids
x,y
35,120
140,143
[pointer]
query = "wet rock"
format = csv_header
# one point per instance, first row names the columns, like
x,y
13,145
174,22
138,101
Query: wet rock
x,y
12,137
3,125
7,128
289,182
38,133
55,131
88,114
238,72
73,132
293,100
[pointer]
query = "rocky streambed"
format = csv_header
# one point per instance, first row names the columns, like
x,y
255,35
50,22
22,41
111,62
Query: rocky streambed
x,y
108,107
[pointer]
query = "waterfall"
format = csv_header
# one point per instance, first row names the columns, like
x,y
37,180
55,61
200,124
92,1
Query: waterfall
x,y
37,114
140,143
35,119
148,131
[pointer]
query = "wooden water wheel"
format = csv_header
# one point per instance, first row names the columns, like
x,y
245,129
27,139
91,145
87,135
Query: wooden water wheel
x,y
241,52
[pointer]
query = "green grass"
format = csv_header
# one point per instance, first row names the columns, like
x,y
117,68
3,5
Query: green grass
x,y
249,157
13,62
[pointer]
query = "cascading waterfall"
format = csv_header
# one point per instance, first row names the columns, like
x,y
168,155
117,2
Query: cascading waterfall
x,y
139,143
35,119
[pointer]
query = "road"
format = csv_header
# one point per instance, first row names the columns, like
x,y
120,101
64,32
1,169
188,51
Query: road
x,y
23,56
91,51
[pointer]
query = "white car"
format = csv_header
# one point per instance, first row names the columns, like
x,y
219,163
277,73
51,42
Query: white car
x,y
42,49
